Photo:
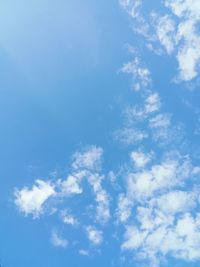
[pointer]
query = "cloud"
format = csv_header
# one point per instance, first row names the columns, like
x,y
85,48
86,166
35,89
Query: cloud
x,y
72,184
166,30
132,7
138,113
140,159
187,36
94,235
124,208
85,180
84,252
67,218
159,211
101,197
176,31
130,135
140,74
31,201
179,239
58,241
89,159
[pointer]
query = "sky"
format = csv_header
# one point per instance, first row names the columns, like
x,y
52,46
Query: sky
x,y
100,133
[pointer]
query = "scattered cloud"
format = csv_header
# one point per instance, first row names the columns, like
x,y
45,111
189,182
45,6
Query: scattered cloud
x,y
31,201
140,74
89,159
94,235
140,159
67,218
84,252
158,211
130,136
57,240
176,31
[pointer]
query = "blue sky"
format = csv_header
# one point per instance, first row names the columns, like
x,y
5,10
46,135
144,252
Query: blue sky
x,y
100,128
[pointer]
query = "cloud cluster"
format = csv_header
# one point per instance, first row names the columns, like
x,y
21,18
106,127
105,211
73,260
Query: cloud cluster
x,y
85,168
159,211
140,73
176,31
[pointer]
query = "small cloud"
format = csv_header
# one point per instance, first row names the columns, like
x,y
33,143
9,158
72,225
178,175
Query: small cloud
x,y
31,201
89,159
140,74
57,240
94,235
129,135
140,159
84,252
67,218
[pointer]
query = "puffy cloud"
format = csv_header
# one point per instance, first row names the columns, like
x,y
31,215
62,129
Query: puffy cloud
x,y
160,121
176,31
67,218
57,240
89,159
166,30
130,135
101,197
84,252
141,75
176,201
132,7
72,184
180,239
160,177
85,174
124,208
31,201
140,159
152,104
159,211
187,39
94,235
164,130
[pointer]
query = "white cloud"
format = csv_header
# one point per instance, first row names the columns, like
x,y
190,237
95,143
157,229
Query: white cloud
x,y
140,159
94,235
163,131
131,6
160,121
57,240
176,201
166,30
85,168
133,238
89,159
159,211
183,36
176,31
67,218
31,201
84,252
101,197
71,185
125,205
130,135
152,104
140,74
145,183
